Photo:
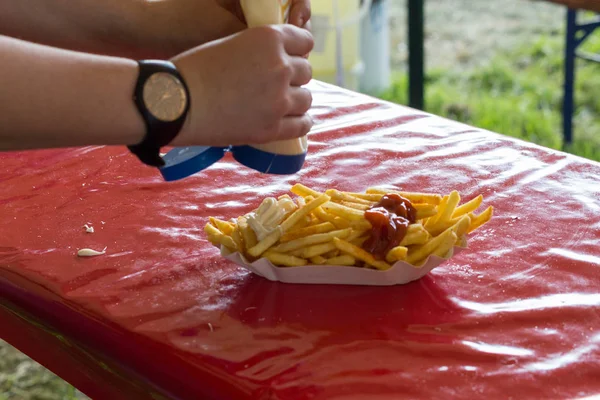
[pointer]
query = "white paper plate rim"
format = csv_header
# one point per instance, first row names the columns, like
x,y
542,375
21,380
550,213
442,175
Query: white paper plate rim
x,y
400,273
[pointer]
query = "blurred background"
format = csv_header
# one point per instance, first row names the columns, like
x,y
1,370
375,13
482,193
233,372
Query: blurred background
x,y
493,65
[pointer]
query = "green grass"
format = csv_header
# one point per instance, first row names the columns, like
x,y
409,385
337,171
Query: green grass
x,y
519,94
24,379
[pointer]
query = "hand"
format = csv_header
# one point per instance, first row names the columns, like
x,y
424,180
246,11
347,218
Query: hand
x,y
299,11
245,89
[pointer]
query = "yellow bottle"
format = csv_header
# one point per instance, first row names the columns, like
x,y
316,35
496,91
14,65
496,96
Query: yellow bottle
x,y
283,156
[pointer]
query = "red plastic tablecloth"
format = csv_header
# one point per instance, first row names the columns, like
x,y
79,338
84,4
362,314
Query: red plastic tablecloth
x,y
161,314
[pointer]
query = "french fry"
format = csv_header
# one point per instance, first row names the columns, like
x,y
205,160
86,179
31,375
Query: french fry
x,y
303,223
224,226
216,237
424,214
445,246
315,250
417,237
323,249
296,253
359,241
332,254
284,259
423,251
341,223
344,212
266,243
248,235
301,190
432,220
345,260
479,220
468,207
236,235
361,225
303,212
415,228
336,195
442,248
417,198
318,260
360,254
448,210
396,254
300,201
413,197
425,210
323,215
309,230
459,225
312,239
210,229
372,197
462,226
356,206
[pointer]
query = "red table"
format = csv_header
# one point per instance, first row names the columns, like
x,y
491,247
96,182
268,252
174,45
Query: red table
x,y
162,315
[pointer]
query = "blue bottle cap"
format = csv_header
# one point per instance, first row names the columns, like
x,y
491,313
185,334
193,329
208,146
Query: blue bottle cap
x,y
266,162
182,162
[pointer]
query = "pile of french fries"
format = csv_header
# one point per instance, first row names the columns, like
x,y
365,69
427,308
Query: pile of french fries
x,y
329,229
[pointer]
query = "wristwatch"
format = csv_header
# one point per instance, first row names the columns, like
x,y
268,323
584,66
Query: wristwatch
x,y
163,100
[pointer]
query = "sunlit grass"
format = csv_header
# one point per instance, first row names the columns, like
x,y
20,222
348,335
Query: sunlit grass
x,y
519,94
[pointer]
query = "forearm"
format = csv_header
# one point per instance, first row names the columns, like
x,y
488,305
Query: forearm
x,y
59,98
128,28
103,27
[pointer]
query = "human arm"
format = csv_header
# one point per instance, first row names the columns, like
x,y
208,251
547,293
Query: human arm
x,y
244,89
58,98
128,28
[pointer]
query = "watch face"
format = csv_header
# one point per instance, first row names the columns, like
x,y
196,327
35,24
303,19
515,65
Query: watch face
x,y
164,96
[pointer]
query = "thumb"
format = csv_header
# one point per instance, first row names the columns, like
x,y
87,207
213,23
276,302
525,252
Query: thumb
x,y
300,13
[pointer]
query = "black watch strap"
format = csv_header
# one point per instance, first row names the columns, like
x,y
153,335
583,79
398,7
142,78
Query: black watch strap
x,y
159,133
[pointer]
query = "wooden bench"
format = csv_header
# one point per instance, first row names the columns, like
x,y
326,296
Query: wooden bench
x,y
416,39
589,5
576,34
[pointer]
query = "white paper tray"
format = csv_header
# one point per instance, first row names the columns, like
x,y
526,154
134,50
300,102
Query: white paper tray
x,y
400,273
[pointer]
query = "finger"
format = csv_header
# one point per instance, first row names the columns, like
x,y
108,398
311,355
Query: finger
x,y
297,41
308,27
301,71
295,127
300,13
300,101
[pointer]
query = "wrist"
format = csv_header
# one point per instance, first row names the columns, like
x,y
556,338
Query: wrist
x,y
134,129
162,99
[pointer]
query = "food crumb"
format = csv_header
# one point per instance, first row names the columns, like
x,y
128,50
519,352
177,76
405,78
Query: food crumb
x,y
210,327
90,252
88,228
